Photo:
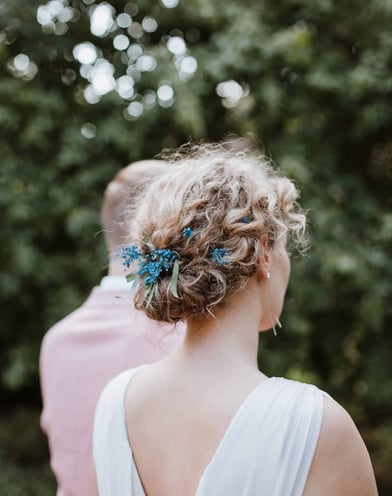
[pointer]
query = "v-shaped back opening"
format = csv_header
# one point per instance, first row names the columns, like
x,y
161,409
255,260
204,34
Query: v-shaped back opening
x,y
221,442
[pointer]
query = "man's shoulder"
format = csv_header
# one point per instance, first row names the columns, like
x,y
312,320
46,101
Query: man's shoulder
x,y
70,322
67,322
88,310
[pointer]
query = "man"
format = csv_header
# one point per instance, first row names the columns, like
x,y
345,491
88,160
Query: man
x,y
105,336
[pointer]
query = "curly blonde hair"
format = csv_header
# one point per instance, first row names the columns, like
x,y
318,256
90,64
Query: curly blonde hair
x,y
229,199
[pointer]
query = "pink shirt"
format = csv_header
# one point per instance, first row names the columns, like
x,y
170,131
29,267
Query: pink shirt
x,y
79,356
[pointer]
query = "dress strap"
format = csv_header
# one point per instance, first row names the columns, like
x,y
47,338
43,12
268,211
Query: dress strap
x,y
270,444
115,470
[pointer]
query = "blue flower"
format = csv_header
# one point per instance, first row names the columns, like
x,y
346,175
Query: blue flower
x,y
156,262
187,232
129,254
218,255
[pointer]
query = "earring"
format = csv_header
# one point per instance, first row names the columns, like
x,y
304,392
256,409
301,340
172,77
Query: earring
x,y
274,319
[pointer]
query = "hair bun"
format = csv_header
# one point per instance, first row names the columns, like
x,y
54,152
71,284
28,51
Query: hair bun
x,y
211,211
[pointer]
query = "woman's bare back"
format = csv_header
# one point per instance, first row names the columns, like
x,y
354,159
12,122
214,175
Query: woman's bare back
x,y
175,426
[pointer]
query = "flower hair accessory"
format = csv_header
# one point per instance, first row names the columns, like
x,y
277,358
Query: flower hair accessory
x,y
187,232
218,255
153,265
158,262
129,254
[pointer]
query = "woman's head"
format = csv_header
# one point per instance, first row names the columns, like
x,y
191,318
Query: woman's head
x,y
216,211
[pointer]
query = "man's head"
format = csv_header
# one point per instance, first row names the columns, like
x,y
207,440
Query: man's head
x,y
123,194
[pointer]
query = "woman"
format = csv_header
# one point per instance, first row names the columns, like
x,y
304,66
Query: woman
x,y
211,251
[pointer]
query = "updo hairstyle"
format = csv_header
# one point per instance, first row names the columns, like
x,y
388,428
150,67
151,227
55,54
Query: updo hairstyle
x,y
229,199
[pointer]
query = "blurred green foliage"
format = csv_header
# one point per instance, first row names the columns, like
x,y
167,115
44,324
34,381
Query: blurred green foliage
x,y
310,80
17,480
24,466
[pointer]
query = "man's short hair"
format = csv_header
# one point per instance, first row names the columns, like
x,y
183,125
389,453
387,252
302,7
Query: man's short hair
x,y
122,195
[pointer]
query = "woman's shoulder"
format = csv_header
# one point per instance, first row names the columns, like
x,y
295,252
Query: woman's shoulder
x,y
113,393
299,385
341,463
297,394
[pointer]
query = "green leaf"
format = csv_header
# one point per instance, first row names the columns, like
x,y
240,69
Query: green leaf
x,y
149,294
148,242
174,279
134,276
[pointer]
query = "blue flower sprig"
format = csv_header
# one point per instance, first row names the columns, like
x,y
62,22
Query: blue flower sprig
x,y
156,263
152,265
187,232
130,254
218,255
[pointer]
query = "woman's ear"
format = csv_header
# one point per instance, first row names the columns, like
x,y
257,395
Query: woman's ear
x,y
264,256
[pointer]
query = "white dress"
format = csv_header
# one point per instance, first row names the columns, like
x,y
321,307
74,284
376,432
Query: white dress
x,y
267,449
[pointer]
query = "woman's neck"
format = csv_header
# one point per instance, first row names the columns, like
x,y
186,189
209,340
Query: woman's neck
x,y
230,340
